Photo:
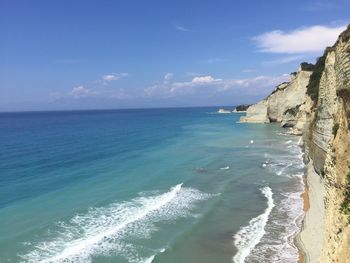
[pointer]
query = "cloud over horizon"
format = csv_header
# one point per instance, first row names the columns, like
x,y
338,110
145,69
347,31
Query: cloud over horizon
x,y
312,39
79,92
204,79
204,86
168,76
209,86
114,76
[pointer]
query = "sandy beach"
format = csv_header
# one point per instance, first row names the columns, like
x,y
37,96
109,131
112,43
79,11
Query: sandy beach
x,y
310,239
306,203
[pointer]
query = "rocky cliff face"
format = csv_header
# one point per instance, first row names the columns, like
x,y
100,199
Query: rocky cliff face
x,y
285,104
329,146
317,104
257,113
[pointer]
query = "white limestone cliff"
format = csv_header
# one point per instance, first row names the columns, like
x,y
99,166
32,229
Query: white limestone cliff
x,y
316,105
284,104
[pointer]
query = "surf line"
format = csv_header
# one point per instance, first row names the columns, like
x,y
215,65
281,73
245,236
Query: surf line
x,y
249,236
77,246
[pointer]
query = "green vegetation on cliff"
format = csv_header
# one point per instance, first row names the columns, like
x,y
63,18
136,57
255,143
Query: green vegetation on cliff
x,y
315,78
335,129
307,66
243,107
344,94
345,205
345,35
293,111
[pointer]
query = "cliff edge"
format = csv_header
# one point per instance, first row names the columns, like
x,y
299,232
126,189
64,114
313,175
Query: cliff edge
x,y
316,105
285,104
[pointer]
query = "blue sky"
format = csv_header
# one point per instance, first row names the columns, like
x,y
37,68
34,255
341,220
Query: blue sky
x,y
129,54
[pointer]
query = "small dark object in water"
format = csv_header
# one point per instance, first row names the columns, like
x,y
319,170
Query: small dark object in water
x,y
201,170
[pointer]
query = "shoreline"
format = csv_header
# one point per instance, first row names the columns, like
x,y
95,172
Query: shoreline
x,y
310,238
306,207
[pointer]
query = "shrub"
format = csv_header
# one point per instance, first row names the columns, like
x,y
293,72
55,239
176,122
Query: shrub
x,y
293,111
334,159
345,205
344,94
335,129
315,78
307,66
345,35
243,107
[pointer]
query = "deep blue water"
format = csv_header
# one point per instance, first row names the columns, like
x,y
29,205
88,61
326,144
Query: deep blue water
x,y
150,185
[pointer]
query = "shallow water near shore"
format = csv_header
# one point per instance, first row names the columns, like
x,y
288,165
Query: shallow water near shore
x,y
154,185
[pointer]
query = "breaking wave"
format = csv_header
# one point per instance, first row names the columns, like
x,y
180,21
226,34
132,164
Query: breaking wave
x,y
249,236
108,230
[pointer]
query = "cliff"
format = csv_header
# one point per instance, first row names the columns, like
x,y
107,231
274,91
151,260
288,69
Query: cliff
x,y
328,144
257,113
316,104
285,104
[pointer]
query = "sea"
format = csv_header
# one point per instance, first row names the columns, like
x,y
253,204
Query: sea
x,y
182,185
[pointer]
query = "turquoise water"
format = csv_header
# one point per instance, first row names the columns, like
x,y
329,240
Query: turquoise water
x,y
154,185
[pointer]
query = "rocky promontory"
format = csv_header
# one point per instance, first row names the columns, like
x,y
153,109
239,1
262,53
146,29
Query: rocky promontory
x,y
286,104
243,107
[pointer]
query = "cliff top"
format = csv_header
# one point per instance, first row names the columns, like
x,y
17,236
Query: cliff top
x,y
314,82
307,66
345,35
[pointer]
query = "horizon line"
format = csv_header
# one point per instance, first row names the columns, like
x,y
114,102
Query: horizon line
x,y
117,109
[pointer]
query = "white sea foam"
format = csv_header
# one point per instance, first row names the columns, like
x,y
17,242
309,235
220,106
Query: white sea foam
x,y
249,236
277,244
149,260
286,164
103,231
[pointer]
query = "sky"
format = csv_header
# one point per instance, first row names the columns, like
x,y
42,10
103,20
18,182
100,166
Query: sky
x,y
65,55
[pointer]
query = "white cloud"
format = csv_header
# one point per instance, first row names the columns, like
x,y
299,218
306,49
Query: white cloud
x,y
252,85
180,28
303,40
204,79
209,85
168,76
79,92
114,76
